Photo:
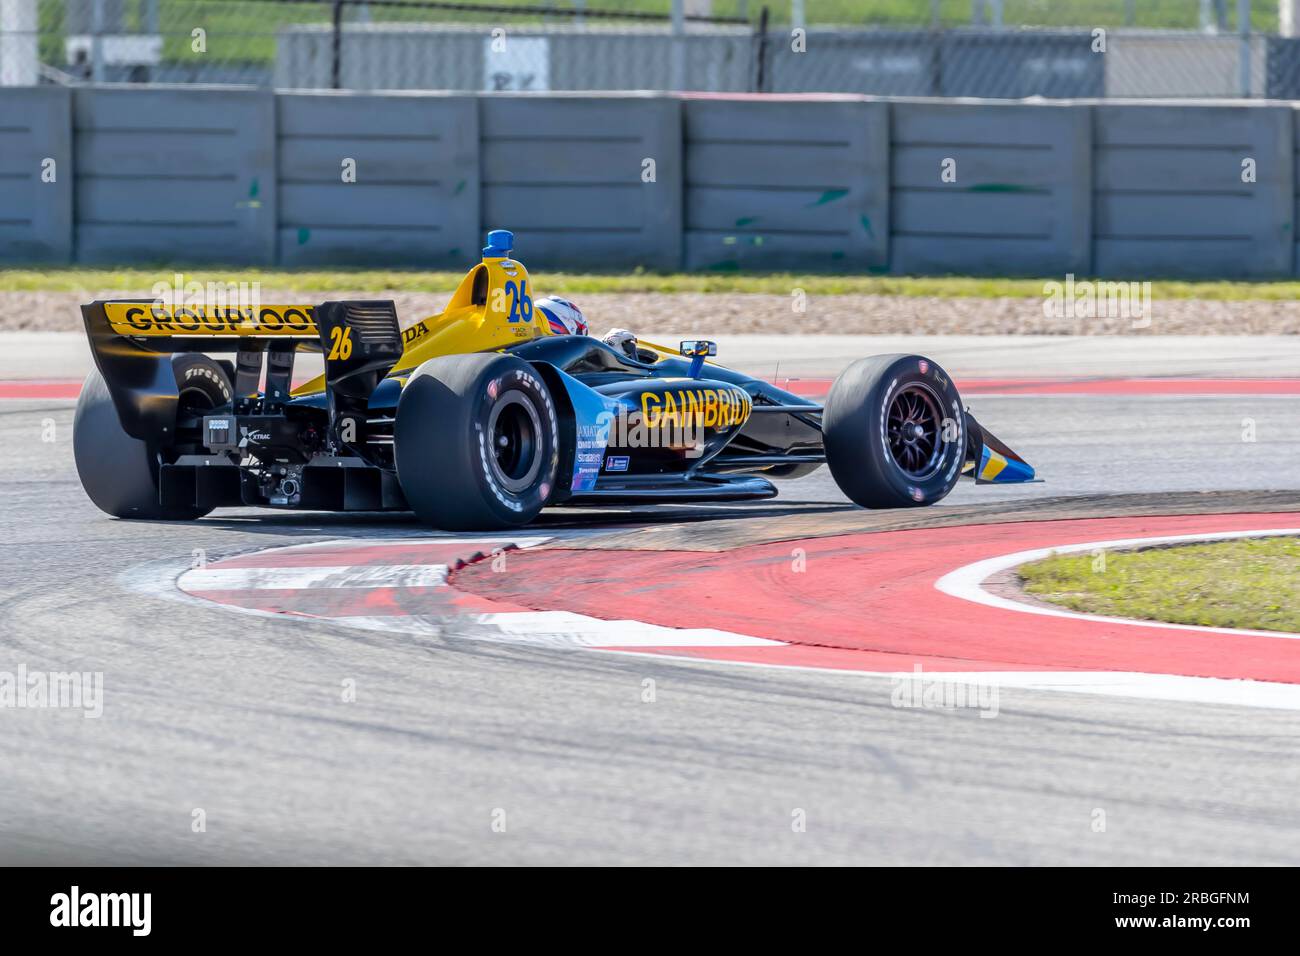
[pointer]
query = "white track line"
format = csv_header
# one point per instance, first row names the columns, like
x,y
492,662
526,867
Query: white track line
x,y
522,541
536,628
271,577
1130,684
293,579
967,582
554,629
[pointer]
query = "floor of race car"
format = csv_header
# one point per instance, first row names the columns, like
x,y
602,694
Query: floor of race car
x,y
300,740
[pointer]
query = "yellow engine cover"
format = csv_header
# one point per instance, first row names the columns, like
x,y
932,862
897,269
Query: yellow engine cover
x,y
490,309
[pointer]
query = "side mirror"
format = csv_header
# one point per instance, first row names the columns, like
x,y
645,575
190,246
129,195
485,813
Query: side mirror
x,y
698,349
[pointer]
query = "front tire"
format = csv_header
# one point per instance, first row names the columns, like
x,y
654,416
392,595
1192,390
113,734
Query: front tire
x,y
476,442
895,432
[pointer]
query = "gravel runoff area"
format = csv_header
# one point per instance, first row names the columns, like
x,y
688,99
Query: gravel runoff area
x,y
718,314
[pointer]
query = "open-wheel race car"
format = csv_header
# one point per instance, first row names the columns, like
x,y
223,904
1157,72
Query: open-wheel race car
x,y
480,416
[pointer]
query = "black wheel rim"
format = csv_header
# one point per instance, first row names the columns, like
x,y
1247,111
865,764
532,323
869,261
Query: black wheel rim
x,y
191,405
194,401
514,429
914,431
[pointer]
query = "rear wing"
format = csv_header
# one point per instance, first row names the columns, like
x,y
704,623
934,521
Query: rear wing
x,y
131,341
137,319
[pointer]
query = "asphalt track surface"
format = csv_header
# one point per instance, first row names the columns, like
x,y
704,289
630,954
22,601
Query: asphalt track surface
x,y
243,716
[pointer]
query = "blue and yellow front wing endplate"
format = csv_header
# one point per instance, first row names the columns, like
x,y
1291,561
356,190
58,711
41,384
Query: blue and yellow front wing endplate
x,y
993,468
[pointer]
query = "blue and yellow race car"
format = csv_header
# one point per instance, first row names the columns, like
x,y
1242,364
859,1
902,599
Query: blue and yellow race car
x,y
480,416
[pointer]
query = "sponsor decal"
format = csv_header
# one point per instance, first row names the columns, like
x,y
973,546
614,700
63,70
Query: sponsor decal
x,y
592,414
415,333
695,408
211,376
617,462
128,318
255,437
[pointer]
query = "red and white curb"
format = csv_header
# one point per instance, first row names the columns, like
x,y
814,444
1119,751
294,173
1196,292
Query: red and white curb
x,y
871,603
399,586
882,604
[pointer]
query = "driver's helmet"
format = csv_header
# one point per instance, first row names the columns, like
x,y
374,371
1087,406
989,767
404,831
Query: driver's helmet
x,y
562,316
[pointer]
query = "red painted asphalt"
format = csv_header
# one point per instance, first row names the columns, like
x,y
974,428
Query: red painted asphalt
x,y
40,389
868,602
818,387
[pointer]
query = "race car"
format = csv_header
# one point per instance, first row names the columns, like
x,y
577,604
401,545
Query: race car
x,y
480,416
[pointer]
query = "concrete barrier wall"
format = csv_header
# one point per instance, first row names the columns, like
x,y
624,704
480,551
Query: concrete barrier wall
x,y
590,181
377,180
179,174
1295,186
1170,197
36,175
990,188
615,181
787,184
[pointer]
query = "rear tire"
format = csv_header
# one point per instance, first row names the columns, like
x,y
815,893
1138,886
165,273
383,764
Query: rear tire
x,y
476,442
120,473
895,432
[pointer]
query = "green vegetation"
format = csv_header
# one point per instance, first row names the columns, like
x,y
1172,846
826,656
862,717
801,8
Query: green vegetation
x,y
244,30
1246,584
73,279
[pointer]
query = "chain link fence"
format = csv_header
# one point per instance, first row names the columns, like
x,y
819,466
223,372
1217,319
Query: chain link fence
x,y
990,48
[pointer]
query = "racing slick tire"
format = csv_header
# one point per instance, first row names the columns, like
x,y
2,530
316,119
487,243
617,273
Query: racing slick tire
x,y
895,432
119,472
476,442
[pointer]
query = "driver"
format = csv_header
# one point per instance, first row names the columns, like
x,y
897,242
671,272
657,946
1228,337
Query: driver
x,y
565,318
562,316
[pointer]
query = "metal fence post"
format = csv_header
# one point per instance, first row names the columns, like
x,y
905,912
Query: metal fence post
x,y
97,42
338,44
677,62
1243,31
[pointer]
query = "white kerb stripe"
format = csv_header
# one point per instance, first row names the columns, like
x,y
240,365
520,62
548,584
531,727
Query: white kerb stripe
x,y
293,579
967,582
553,629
